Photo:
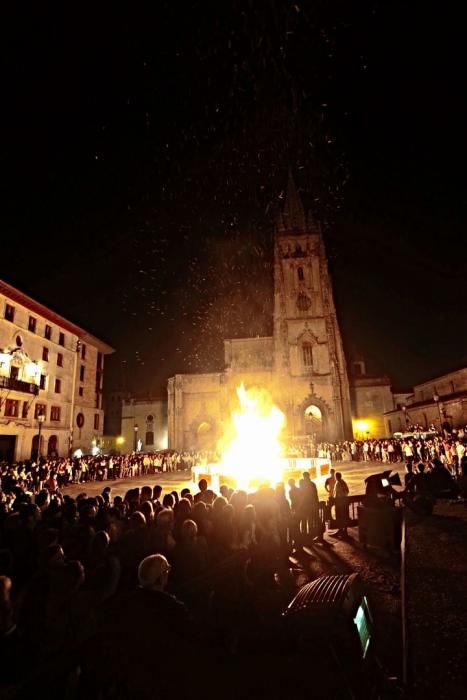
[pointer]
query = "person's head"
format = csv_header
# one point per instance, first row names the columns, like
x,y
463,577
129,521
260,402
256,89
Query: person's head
x,y
291,483
338,476
184,493
146,493
219,504
156,492
332,472
153,573
306,476
42,499
249,514
421,468
168,501
147,509
189,531
100,543
409,467
224,491
183,508
202,485
165,518
137,520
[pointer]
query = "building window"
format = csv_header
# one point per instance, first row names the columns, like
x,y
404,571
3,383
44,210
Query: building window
x,y
14,372
300,274
58,386
96,421
19,341
25,409
42,381
303,302
9,312
83,351
81,391
11,408
97,401
81,373
59,360
61,339
307,353
48,332
32,324
45,354
149,438
150,418
80,420
55,413
39,409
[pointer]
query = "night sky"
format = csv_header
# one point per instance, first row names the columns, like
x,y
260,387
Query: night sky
x,y
145,156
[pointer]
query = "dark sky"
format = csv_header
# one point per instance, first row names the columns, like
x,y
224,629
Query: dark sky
x,y
144,158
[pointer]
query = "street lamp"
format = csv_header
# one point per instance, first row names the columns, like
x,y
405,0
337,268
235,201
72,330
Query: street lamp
x,y
436,400
135,428
404,409
40,420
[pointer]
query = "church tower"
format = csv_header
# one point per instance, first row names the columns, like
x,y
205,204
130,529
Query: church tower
x,y
308,350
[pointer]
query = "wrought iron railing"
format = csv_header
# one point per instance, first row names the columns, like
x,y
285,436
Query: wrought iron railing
x,y
18,385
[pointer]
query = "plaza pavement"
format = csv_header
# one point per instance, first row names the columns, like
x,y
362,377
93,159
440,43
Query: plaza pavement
x,y
354,474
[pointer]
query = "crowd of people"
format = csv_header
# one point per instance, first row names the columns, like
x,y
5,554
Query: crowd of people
x,y
106,596
418,447
130,596
33,475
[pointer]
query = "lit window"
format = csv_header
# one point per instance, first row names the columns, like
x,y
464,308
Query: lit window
x,y
307,352
55,413
9,312
32,324
11,408
45,354
58,386
39,409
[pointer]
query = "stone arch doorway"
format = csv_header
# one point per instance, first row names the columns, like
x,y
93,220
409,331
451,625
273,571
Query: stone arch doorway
x,y
52,446
204,436
35,447
313,418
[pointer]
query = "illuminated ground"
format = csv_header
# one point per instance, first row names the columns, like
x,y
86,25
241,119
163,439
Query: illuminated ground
x,y
353,472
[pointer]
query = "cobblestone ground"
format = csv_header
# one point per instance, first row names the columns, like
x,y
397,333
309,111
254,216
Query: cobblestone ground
x,y
436,584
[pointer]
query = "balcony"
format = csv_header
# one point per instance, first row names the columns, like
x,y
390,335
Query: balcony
x,y
18,385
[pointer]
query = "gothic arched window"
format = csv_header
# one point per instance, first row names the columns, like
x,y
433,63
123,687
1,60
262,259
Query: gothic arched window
x,y
300,274
303,302
307,354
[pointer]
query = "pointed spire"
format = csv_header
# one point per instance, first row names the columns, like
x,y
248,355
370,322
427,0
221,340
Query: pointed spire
x,y
294,214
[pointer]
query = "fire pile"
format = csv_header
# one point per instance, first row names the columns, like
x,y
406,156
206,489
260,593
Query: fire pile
x,y
251,450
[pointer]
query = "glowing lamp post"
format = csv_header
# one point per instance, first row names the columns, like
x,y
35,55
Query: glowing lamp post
x,y
40,420
135,428
404,409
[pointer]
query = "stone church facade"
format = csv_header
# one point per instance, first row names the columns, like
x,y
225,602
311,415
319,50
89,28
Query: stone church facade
x,y
302,365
